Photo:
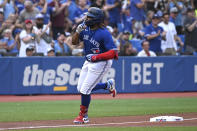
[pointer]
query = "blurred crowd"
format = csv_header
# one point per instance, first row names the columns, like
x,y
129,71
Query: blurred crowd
x,y
139,27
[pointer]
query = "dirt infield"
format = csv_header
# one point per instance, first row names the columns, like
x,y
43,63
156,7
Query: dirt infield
x,y
124,121
190,119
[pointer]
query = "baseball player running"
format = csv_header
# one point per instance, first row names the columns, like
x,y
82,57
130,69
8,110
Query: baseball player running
x,y
100,51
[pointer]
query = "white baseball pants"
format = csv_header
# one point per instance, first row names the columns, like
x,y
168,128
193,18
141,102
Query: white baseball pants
x,y
91,74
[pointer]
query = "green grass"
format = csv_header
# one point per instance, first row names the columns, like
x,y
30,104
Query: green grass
x,y
119,128
60,110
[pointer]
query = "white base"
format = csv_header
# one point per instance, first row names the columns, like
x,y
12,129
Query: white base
x,y
166,118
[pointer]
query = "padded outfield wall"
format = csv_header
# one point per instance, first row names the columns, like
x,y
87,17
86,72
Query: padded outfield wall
x,y
59,75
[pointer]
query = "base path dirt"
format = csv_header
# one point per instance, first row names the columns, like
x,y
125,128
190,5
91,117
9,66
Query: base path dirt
x,y
190,119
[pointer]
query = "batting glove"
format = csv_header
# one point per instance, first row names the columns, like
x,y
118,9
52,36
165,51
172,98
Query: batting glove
x,y
80,27
91,58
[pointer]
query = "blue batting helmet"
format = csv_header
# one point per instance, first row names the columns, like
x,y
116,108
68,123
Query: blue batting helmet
x,y
96,14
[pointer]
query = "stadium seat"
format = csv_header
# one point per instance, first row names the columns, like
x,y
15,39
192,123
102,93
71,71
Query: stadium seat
x,y
186,53
61,54
9,54
38,54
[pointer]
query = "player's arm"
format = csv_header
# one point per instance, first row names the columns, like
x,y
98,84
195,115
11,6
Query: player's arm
x,y
153,36
76,35
75,38
111,54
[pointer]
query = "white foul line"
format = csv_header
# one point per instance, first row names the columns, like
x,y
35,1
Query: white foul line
x,y
190,119
81,125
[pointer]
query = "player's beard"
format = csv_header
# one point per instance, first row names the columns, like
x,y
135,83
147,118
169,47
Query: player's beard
x,y
89,23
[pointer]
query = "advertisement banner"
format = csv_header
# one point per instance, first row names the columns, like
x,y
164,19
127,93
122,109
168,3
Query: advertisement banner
x,y
59,75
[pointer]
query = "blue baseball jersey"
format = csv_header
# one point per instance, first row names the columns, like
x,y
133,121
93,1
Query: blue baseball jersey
x,y
79,13
114,14
155,44
97,41
137,13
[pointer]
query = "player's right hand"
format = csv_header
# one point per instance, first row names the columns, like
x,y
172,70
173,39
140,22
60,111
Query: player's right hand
x,y
81,27
91,57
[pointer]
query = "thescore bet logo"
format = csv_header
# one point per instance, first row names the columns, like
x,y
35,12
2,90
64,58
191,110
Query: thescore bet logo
x,y
63,75
33,76
141,73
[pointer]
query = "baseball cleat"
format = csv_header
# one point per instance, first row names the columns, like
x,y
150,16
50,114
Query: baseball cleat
x,y
81,120
111,87
86,119
83,116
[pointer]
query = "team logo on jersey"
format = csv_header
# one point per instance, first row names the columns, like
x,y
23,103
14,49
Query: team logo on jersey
x,y
95,50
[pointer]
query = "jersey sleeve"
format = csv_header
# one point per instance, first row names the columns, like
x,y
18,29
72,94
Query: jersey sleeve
x,y
108,41
81,36
147,31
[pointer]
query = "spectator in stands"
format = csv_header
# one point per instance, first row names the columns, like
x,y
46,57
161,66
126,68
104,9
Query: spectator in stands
x,y
146,52
75,50
19,5
13,18
58,17
60,46
29,13
150,5
8,6
4,43
194,4
114,9
27,37
50,52
8,39
79,13
124,38
149,17
174,18
71,11
29,50
97,3
173,14
128,50
154,34
179,5
16,34
11,22
7,24
190,25
161,5
127,20
45,10
69,21
115,39
137,12
169,46
43,38
1,16
148,21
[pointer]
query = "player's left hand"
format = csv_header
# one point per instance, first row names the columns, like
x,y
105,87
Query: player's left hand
x,y
81,27
91,58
